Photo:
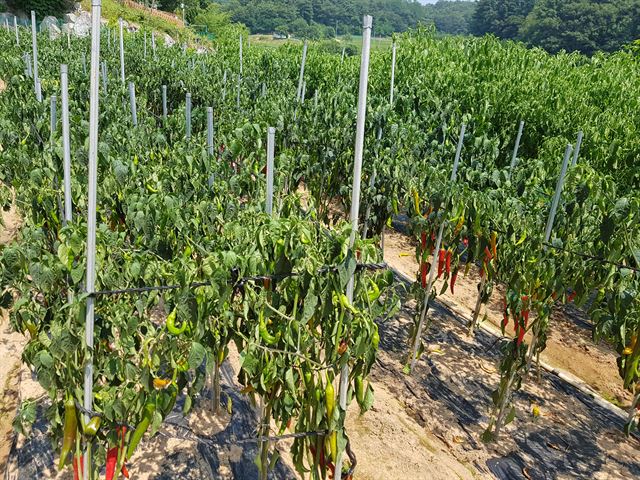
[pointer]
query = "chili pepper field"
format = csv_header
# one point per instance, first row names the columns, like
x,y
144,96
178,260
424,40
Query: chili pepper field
x,y
247,262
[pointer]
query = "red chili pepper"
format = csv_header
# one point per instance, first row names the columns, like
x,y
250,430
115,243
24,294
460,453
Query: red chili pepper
x,y
465,242
124,470
112,460
423,274
441,256
423,240
448,262
520,336
487,255
77,465
525,315
482,271
454,277
571,296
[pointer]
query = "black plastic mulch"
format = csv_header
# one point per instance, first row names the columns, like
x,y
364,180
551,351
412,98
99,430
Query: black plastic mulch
x,y
36,457
569,450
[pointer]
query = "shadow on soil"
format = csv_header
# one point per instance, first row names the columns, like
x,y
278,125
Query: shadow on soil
x,y
568,444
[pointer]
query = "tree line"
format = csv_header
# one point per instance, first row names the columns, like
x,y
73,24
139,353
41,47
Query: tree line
x,y
573,25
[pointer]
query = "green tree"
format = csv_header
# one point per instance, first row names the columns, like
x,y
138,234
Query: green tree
x,y
503,18
582,25
42,7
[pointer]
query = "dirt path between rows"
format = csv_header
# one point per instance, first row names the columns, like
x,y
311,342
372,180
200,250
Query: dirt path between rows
x,y
570,346
11,346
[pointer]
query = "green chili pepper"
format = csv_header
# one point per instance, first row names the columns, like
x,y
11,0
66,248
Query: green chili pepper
x,y
171,324
360,389
375,338
264,333
141,428
91,427
70,430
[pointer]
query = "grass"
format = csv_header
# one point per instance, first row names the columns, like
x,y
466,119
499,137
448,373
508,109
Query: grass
x,y
112,11
268,41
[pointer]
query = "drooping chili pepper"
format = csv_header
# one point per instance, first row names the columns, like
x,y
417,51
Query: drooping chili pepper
x,y
141,428
423,274
454,277
264,333
92,426
70,430
441,257
77,466
520,336
494,244
346,304
487,255
333,445
125,471
359,389
171,324
112,460
423,240
375,338
447,265
329,400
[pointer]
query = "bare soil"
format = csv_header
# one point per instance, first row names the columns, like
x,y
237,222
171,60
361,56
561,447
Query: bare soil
x,y
11,346
570,346
3,86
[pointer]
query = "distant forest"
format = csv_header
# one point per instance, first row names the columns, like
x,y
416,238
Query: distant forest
x,y
587,26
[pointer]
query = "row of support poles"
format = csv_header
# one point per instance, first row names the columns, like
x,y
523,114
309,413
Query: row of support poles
x,y
367,25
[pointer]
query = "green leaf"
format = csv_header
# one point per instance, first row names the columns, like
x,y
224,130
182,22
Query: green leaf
x,y
196,355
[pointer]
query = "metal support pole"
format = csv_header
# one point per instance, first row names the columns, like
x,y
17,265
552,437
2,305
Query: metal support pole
x,y
34,41
210,131
514,156
434,262
104,77
164,103
66,146
15,28
301,76
271,142
224,86
153,43
121,53
367,25
241,72
393,72
576,152
304,93
53,114
84,63
91,220
132,101
188,116
27,60
38,90
343,52
556,197
68,39
144,53
239,89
